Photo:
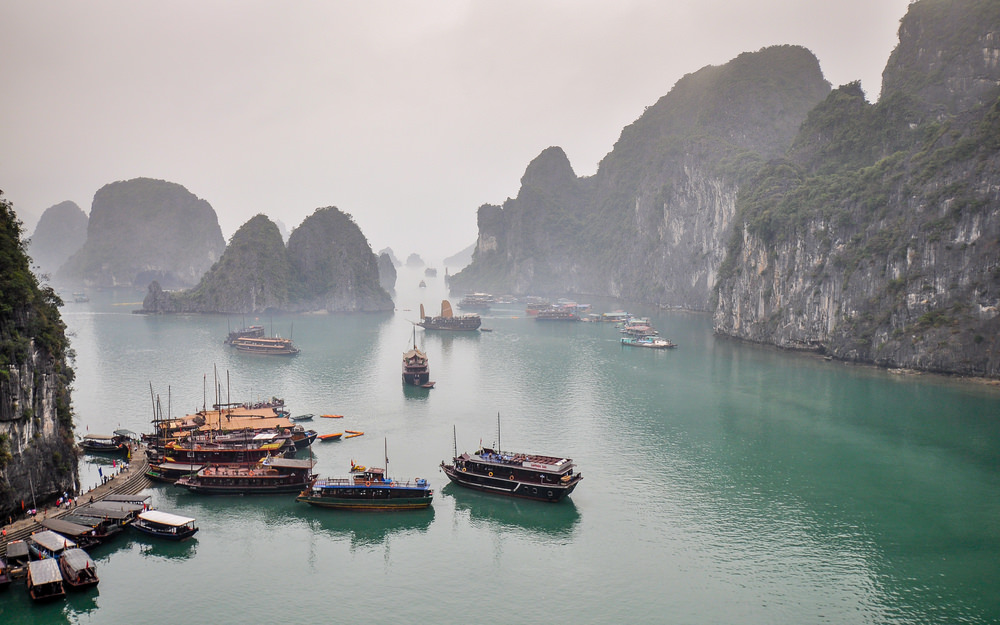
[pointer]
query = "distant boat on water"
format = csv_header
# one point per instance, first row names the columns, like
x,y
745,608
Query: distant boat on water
x,y
416,367
447,320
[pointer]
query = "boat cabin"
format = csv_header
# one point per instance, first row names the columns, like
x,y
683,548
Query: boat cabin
x,y
78,569
45,580
48,544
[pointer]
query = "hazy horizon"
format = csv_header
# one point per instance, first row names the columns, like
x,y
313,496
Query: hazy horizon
x,y
406,115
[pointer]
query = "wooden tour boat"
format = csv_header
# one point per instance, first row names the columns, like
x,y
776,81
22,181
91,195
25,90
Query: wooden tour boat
x,y
653,342
247,332
165,525
368,489
78,569
416,367
275,346
529,476
447,320
109,444
45,580
268,477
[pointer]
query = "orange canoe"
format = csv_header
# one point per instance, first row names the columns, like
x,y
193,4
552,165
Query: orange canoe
x,y
330,437
332,416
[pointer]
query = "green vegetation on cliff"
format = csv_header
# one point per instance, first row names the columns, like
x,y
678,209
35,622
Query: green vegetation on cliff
x,y
327,265
142,230
36,424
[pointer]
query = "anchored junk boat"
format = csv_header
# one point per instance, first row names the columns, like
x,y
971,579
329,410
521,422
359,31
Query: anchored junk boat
x,y
447,320
416,367
530,476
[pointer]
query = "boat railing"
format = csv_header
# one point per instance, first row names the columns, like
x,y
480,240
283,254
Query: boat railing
x,y
347,481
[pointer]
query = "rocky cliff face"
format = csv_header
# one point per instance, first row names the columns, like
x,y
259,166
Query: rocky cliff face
x,y
142,230
60,232
652,223
334,265
253,276
386,272
327,266
37,454
895,261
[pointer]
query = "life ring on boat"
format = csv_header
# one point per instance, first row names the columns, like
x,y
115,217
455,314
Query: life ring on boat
x,y
464,470
491,473
511,477
368,483
416,479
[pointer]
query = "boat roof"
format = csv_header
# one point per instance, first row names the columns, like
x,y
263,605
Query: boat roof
x,y
98,437
77,559
92,510
165,518
116,506
290,463
90,522
126,433
129,498
181,466
52,541
17,549
66,527
528,461
44,571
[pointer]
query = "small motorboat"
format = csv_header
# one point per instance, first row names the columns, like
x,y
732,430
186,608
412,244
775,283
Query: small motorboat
x,y
302,417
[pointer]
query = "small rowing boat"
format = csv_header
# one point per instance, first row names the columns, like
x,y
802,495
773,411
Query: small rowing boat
x,y
332,416
353,433
330,437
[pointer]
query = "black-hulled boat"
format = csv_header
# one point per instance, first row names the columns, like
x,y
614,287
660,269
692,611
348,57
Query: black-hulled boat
x,y
165,525
368,488
447,320
108,444
515,474
5,575
247,332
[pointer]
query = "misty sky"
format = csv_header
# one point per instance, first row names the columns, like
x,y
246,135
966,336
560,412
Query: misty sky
x,y
407,115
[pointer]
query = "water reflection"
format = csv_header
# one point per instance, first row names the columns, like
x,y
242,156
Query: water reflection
x,y
416,392
154,548
536,518
367,529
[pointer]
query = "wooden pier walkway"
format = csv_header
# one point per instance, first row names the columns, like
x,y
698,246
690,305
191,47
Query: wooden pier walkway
x,y
128,482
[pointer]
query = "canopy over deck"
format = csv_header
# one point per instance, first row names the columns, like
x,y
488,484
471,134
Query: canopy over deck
x,y
165,518
44,571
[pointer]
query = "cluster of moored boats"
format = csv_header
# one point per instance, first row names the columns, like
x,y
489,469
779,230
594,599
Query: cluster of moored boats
x,y
639,332
54,560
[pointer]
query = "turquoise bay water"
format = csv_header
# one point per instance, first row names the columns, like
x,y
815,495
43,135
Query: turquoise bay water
x,y
723,483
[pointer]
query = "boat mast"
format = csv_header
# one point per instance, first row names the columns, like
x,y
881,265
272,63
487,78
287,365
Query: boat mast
x,y
498,432
454,440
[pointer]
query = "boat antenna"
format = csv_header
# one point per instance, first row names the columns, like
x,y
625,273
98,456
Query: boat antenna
x,y
498,432
386,443
454,440
204,392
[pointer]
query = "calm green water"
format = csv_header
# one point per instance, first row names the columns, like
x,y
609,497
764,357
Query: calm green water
x,y
723,483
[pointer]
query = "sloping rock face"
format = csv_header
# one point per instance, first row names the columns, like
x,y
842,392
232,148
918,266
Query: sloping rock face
x,y
142,230
60,232
327,266
37,453
254,275
878,238
653,222
386,272
334,266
